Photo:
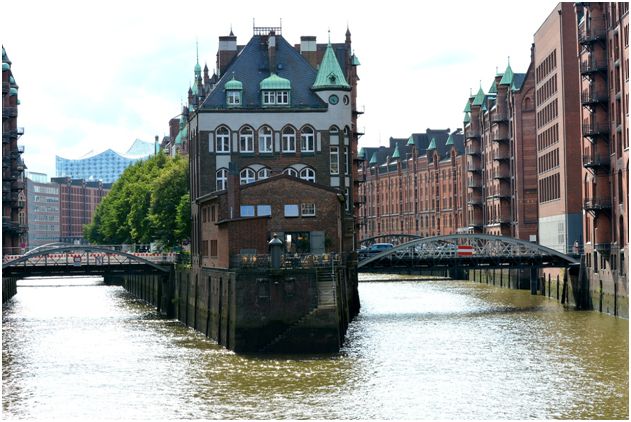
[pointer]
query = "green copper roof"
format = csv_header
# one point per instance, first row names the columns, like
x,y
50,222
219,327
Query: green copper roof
x,y
493,88
274,81
450,140
432,144
194,89
13,92
396,154
373,159
467,117
198,69
507,78
5,66
361,153
467,108
330,75
410,140
234,84
479,98
355,60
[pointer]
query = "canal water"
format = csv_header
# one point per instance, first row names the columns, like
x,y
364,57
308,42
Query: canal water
x,y
419,349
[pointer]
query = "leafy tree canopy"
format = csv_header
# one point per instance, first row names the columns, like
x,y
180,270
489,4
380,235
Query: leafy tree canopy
x,y
148,203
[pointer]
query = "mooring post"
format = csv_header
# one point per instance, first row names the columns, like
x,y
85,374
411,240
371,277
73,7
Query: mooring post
x,y
533,280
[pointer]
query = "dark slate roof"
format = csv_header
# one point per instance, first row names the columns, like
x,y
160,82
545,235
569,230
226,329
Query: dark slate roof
x,y
252,65
421,141
518,80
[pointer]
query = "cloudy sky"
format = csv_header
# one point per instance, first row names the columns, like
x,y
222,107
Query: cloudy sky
x,y
97,75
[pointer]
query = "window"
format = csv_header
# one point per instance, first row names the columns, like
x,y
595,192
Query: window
x,y
247,211
290,171
265,139
307,139
222,179
307,174
263,173
289,140
246,140
307,210
282,97
246,176
223,139
233,98
291,210
335,160
213,248
263,210
345,160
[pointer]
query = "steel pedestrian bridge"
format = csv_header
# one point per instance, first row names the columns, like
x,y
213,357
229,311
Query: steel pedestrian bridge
x,y
461,251
63,260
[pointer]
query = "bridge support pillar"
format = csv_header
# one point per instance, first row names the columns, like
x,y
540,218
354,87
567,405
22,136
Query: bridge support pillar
x,y
534,280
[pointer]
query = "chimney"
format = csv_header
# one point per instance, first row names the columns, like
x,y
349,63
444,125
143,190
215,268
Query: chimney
x,y
234,191
226,52
271,51
308,50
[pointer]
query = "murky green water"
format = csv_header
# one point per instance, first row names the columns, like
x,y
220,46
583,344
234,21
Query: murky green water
x,y
419,349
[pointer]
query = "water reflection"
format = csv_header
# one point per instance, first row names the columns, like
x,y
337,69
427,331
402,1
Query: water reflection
x,y
430,349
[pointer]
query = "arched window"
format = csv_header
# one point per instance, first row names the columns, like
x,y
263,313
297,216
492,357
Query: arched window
x,y
621,236
620,188
289,140
307,174
246,139
222,179
247,175
290,171
263,173
266,139
222,139
307,142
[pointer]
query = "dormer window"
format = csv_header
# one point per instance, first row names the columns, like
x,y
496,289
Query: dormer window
x,y
275,91
234,91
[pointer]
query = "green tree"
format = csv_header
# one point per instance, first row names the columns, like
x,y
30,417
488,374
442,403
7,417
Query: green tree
x,y
144,205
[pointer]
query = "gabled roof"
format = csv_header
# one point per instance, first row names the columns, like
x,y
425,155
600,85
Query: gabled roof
x,y
251,66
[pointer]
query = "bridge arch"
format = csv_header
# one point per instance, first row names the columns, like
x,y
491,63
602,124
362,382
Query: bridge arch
x,y
471,250
41,257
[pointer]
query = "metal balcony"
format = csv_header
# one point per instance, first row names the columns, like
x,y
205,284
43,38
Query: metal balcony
x,y
594,34
472,133
472,150
501,155
595,129
596,161
591,97
475,202
501,174
474,169
597,204
474,184
499,137
593,66
9,112
502,194
499,118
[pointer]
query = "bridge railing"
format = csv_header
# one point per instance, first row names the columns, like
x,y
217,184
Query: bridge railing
x,y
295,261
89,258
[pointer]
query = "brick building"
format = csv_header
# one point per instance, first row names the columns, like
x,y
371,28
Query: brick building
x,y
501,166
274,109
558,130
603,45
414,186
14,223
77,202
